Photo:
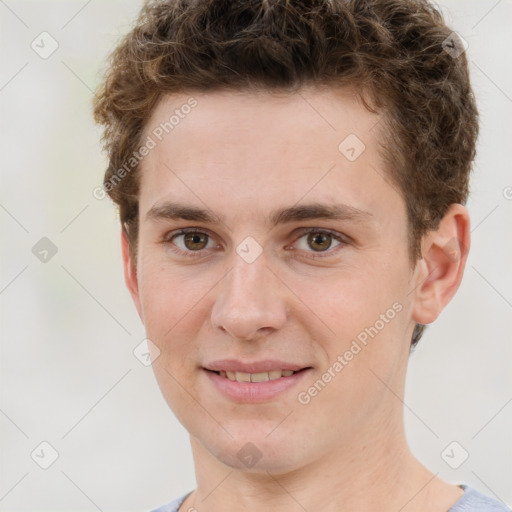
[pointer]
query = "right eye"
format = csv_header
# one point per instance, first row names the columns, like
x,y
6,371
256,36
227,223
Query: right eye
x,y
190,241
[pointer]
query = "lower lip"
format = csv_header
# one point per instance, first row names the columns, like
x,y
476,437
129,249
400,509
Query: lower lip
x,y
253,392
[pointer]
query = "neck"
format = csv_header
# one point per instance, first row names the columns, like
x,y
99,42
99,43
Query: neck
x,y
374,472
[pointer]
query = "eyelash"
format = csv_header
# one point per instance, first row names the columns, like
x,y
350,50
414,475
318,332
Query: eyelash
x,y
342,239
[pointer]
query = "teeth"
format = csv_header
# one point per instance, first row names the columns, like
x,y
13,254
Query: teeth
x,y
243,377
256,377
259,377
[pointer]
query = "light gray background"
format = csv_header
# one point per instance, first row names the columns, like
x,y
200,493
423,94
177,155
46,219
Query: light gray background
x,y
68,326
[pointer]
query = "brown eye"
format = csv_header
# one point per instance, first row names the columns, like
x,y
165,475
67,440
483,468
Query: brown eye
x,y
319,241
190,242
195,241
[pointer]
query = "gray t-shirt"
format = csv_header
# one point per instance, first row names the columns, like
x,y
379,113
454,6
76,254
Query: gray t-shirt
x,y
471,501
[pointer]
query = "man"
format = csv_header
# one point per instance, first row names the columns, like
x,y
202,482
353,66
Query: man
x,y
290,179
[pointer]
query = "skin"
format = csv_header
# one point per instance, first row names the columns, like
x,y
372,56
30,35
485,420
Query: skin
x,y
241,156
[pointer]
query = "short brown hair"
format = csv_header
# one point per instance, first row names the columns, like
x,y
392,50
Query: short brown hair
x,y
405,62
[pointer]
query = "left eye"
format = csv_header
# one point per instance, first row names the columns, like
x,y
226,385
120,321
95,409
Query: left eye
x,y
319,241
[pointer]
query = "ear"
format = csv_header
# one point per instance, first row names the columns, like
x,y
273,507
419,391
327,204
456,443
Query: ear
x,y
439,273
130,273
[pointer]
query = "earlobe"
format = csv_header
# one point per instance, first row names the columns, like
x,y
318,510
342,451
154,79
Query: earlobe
x,y
439,272
130,273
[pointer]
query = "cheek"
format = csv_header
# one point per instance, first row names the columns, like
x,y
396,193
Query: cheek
x,y
351,300
174,307
168,295
170,306
362,317
364,351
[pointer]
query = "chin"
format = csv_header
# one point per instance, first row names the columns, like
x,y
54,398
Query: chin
x,y
251,450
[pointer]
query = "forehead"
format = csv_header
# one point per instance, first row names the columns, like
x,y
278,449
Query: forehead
x,y
261,148
232,117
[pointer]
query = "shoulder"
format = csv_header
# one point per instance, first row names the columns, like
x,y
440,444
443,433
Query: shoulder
x,y
471,501
172,506
474,501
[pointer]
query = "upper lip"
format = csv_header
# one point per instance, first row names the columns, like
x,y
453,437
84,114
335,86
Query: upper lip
x,y
266,365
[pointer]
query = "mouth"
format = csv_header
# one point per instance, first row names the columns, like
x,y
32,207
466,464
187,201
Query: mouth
x,y
256,377
255,382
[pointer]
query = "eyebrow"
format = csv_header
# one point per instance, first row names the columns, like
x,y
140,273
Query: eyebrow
x,y
312,211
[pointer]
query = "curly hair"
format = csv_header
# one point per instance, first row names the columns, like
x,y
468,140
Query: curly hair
x,y
400,56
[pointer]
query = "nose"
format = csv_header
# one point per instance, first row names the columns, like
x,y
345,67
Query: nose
x,y
251,301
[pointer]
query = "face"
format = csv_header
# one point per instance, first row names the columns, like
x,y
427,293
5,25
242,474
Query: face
x,y
270,242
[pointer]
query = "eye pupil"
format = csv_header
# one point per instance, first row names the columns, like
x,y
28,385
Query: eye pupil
x,y
195,241
319,241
